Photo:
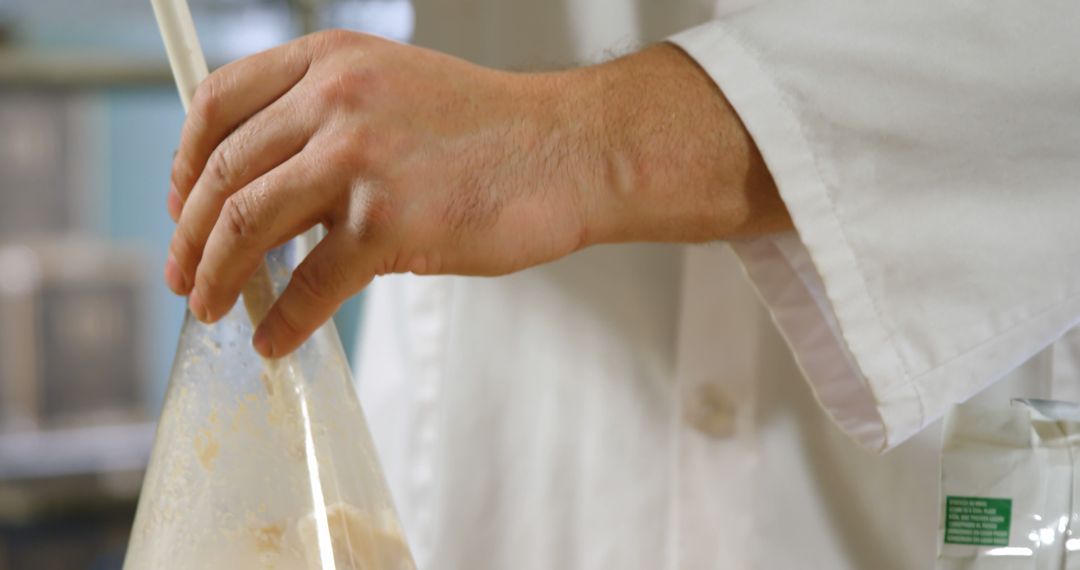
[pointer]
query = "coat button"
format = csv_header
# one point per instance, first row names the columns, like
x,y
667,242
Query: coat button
x,y
711,412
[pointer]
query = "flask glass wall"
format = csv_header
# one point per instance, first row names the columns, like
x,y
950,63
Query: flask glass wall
x,y
263,464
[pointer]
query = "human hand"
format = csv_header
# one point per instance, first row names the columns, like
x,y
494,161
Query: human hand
x,y
413,160
419,162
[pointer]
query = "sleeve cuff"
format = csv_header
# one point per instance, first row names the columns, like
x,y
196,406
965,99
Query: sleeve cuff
x,y
815,288
844,333
860,381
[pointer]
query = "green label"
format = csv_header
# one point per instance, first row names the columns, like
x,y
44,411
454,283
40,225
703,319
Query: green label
x,y
977,520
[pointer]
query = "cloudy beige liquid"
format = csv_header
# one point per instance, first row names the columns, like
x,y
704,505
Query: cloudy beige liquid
x,y
263,465
226,496
355,544
274,479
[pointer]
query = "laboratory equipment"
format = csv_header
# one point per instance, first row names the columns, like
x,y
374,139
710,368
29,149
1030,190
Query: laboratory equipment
x,y
259,464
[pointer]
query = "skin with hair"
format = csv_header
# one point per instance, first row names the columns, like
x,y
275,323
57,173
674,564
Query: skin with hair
x,y
419,162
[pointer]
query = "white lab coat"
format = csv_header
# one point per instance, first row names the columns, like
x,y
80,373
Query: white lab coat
x,y
637,407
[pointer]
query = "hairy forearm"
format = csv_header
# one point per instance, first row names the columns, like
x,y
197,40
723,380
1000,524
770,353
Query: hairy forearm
x,y
671,158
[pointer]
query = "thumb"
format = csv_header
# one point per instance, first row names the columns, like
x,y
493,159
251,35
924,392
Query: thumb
x,y
327,277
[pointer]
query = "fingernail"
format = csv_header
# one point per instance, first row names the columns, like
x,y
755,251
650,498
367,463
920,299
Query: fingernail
x,y
173,276
174,204
262,344
197,307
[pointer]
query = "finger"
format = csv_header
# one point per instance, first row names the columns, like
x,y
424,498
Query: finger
x,y
271,210
327,277
262,143
227,98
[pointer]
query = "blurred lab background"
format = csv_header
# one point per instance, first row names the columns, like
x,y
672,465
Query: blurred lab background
x,y
89,120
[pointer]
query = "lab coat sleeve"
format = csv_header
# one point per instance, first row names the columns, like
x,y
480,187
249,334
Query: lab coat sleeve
x,y
929,154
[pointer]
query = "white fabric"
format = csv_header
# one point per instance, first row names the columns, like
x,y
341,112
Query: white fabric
x,y
929,153
636,407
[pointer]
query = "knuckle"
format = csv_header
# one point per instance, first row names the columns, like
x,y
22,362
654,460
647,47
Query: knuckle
x,y
332,38
360,76
332,91
346,85
206,104
241,218
221,167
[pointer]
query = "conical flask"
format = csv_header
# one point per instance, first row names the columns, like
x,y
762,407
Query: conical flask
x,y
263,464
259,464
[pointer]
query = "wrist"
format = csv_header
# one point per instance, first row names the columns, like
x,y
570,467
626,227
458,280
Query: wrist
x,y
603,170
619,118
570,147
666,156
